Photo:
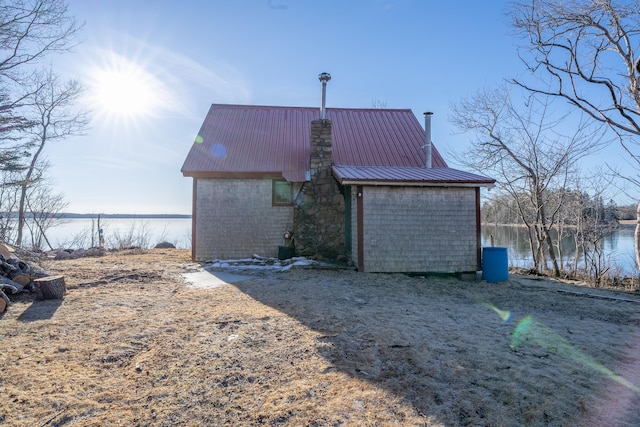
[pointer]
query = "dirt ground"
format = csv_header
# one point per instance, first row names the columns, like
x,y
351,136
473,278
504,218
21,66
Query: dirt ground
x,y
134,344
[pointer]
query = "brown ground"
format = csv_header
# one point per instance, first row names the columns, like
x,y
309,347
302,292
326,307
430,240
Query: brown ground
x,y
133,344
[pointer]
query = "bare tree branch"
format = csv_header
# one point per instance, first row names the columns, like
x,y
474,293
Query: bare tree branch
x,y
587,50
31,29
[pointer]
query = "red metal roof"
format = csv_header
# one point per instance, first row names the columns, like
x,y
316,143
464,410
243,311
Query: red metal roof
x,y
407,175
268,141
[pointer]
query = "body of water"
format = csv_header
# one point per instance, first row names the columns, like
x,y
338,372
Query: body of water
x,y
618,247
144,232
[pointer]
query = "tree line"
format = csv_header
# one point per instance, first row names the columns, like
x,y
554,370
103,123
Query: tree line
x,y
577,207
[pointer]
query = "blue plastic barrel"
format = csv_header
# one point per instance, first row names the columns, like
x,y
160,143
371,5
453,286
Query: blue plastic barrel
x,y
495,264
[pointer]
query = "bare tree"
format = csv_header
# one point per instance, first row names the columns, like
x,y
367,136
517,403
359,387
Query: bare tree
x,y
56,117
521,145
591,223
8,204
586,53
44,205
31,29
378,104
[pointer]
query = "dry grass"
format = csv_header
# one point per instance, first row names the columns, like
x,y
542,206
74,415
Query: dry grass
x,y
132,344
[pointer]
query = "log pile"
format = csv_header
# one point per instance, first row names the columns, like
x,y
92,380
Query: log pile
x,y
18,276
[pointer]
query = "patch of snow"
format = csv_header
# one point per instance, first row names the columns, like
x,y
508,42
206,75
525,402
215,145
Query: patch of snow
x,y
258,262
208,280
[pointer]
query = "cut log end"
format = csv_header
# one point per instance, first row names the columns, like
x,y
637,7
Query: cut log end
x,y
4,301
5,251
51,287
21,279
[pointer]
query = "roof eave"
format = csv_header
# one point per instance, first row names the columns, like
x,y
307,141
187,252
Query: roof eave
x,y
433,183
231,175
288,176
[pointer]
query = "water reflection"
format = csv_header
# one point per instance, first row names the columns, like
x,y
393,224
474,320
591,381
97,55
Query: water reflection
x,y
618,247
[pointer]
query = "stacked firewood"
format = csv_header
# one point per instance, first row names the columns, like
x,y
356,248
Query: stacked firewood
x,y
17,276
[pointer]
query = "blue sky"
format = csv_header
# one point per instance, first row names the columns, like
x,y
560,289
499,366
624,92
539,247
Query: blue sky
x,y
184,56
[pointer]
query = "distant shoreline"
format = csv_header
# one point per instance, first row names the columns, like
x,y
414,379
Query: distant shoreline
x,y
123,216
624,223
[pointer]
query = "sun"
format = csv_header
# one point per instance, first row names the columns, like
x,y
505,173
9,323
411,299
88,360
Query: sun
x,y
125,92
121,89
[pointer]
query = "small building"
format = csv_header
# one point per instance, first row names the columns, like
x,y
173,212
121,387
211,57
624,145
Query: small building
x,y
359,185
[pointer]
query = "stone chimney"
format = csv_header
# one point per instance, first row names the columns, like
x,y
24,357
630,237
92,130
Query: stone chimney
x,y
319,213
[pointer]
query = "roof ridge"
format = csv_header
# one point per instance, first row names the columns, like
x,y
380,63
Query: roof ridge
x,y
258,106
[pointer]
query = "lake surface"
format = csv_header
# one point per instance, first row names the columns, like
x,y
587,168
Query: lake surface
x,y
145,232
618,247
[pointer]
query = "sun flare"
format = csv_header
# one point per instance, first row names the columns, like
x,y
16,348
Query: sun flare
x,y
121,89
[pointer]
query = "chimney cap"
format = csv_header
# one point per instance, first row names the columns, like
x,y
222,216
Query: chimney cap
x,y
428,113
324,77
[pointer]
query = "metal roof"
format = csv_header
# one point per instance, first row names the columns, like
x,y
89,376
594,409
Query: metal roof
x,y
270,141
389,175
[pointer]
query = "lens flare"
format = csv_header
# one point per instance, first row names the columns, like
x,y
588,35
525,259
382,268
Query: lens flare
x,y
547,338
199,139
521,333
504,315
219,150
528,329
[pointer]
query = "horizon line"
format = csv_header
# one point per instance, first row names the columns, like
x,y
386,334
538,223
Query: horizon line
x,y
122,214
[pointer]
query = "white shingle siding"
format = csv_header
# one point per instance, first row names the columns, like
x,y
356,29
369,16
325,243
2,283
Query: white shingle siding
x,y
412,229
234,219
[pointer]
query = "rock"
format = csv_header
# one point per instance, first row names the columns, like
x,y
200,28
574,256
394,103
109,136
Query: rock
x,y
95,252
78,253
165,245
62,255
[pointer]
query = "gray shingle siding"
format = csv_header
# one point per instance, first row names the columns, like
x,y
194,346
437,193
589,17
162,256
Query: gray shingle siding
x,y
412,229
235,218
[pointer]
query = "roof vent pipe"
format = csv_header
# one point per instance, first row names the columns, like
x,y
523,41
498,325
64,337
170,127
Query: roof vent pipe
x,y
324,78
427,138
